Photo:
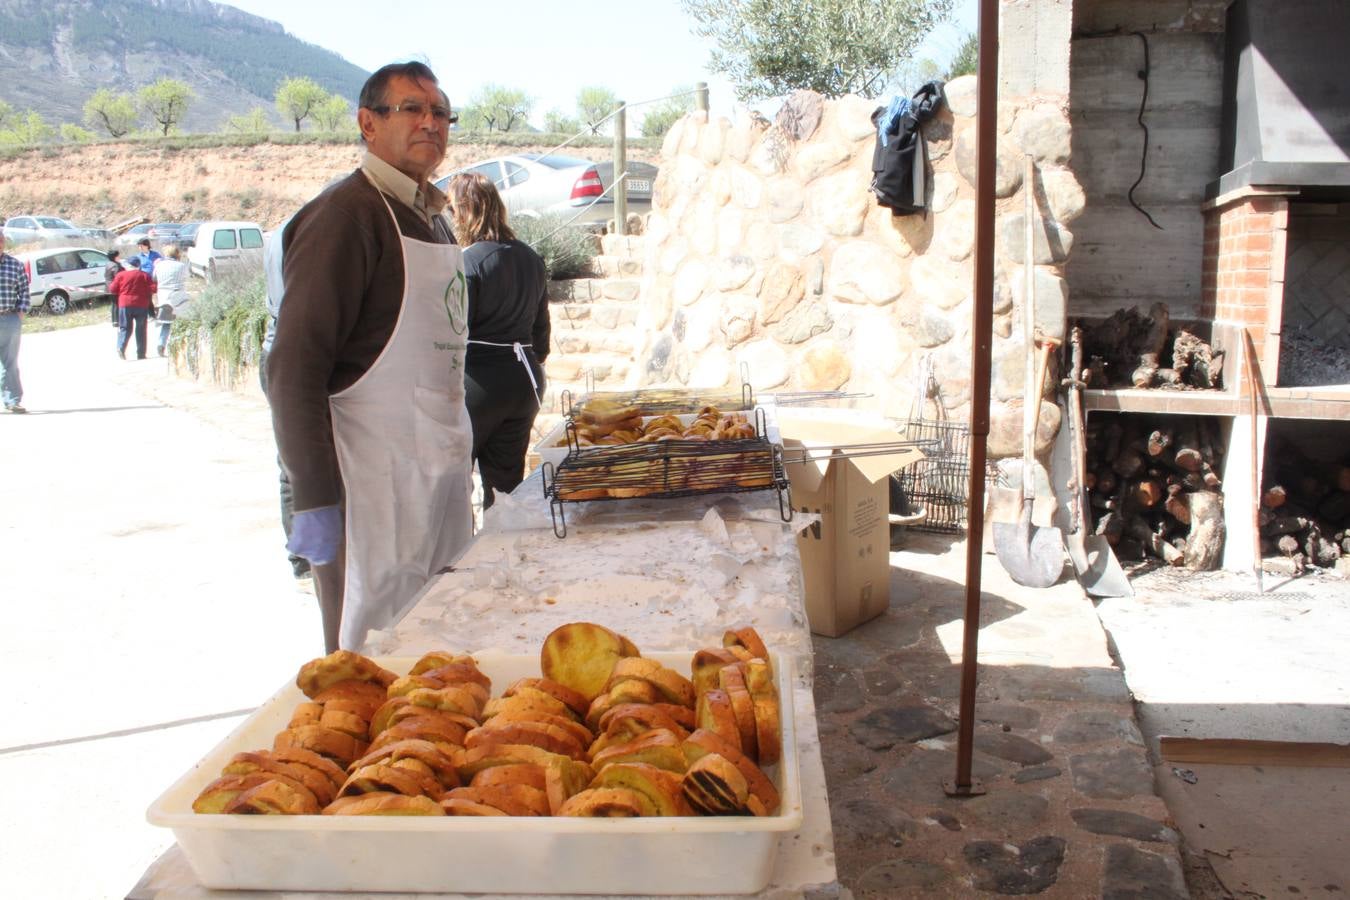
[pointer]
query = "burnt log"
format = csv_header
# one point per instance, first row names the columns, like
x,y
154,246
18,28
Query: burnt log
x,y
1274,497
1205,542
1159,440
1138,529
1198,363
1176,505
1148,493
1286,525
1188,456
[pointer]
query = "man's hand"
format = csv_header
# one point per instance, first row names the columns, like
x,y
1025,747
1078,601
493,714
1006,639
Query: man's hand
x,y
316,534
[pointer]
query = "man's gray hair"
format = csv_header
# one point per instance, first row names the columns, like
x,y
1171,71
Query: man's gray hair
x,y
373,91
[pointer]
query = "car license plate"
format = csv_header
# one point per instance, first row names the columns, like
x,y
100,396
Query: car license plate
x,y
639,185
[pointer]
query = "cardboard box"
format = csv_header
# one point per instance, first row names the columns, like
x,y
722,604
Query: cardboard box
x,y
846,572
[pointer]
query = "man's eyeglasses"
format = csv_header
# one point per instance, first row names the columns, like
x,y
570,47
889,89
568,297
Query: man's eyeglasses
x,y
441,114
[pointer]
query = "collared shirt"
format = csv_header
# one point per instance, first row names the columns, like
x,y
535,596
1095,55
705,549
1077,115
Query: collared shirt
x,y
424,199
13,285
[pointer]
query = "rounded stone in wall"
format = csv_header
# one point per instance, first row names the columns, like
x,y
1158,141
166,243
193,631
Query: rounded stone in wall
x,y
730,230
741,137
1051,243
1003,291
797,241
937,133
782,289
801,323
799,116
712,368
1002,325
839,203
945,189
935,328
658,228
902,235
770,156
670,145
1043,131
882,350
815,159
694,122
747,188
825,366
656,367
732,272
687,174
939,281
863,272
1052,298
672,254
962,96
737,320
1006,428
712,141
955,230
719,186
1007,369
783,199
761,240
700,327
701,226
951,368
690,281
767,363
1007,164
851,118
1063,194
658,301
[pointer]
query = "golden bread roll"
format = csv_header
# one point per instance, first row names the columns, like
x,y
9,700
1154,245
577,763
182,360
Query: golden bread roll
x,y
715,787
671,685
460,672
581,656
390,778
703,742
458,807
263,761
356,691
657,747
347,723
705,665
631,720
607,803
406,684
536,734
512,799
574,700
308,758
435,728
438,762
527,700
278,796
683,715
564,778
339,747
437,659
306,714
515,773
662,788
384,804
714,713
485,756
732,680
218,794
601,410
462,699
339,666
746,637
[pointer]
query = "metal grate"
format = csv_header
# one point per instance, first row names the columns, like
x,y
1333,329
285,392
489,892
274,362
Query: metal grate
x,y
939,483
663,401
665,469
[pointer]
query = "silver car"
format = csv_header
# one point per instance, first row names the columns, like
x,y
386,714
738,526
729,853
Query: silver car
x,y
534,184
46,230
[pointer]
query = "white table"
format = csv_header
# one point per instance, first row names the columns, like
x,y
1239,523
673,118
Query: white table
x,y
670,575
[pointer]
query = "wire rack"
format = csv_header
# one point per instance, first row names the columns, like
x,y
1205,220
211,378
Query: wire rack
x,y
939,483
663,401
663,470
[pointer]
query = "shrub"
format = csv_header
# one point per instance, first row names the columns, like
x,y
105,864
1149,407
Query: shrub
x,y
567,249
232,314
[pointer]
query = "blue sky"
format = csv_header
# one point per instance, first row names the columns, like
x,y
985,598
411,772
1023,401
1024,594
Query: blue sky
x,y
638,50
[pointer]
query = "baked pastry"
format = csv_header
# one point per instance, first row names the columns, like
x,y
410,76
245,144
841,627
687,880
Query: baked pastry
x,y
714,713
434,728
527,700
382,803
702,742
309,759
218,794
607,803
671,685
715,787
662,788
581,656
515,773
439,764
512,799
705,665
658,748
339,747
460,807
338,666
732,681
278,796
249,763
536,734
574,700
391,778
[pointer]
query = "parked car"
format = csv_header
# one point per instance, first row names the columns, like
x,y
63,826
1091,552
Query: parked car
x,y
222,247
104,237
61,276
159,233
534,184
128,240
187,235
46,230
162,233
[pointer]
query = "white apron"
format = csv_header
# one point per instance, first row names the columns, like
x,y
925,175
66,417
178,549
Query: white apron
x,y
404,443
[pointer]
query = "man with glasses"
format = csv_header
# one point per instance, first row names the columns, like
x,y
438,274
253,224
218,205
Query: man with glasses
x,y
366,371
13,304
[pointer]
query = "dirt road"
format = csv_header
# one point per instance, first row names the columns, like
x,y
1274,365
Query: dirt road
x,y
147,598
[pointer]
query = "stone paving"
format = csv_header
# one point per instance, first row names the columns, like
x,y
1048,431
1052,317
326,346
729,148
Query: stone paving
x,y
1070,809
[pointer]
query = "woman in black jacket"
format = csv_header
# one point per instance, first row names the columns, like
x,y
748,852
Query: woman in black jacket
x,y
508,332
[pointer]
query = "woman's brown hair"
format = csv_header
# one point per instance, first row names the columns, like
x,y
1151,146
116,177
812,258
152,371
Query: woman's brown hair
x,y
476,210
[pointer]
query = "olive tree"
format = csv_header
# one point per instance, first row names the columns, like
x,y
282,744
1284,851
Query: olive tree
x,y
26,129
662,115
333,113
594,104
113,113
559,122
499,107
166,101
252,122
297,99
834,47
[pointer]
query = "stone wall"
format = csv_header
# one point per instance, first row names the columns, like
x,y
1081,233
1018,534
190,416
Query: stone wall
x,y
765,248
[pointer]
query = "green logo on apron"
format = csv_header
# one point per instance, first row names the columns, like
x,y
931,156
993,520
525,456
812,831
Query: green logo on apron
x,y
456,303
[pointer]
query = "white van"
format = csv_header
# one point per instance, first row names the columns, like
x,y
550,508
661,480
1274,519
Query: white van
x,y
222,247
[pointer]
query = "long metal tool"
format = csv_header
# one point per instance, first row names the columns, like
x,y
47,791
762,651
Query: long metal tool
x,y
981,340
1253,407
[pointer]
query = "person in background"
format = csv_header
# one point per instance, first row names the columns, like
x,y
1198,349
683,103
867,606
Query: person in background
x,y
508,332
147,256
134,289
276,289
365,375
109,273
13,304
171,276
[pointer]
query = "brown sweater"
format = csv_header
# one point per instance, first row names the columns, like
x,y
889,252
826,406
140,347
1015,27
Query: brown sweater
x,y
343,271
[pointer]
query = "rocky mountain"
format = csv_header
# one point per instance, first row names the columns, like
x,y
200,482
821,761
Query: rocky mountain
x,y
54,54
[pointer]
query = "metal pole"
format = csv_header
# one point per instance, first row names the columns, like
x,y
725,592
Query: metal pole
x,y
701,96
621,166
986,138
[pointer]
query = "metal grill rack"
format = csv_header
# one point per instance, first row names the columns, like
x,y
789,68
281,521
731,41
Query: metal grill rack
x,y
663,470
939,483
662,401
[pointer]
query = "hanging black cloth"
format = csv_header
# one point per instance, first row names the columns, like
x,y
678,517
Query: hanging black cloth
x,y
899,162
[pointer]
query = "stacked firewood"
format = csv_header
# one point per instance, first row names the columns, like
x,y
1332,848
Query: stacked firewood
x,y
1154,488
1305,508
1148,350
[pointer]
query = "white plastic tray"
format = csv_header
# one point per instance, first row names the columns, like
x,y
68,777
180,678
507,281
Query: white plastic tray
x,y
686,855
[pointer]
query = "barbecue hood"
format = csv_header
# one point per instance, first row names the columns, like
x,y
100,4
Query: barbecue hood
x,y
1286,103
